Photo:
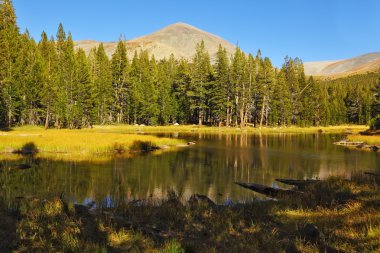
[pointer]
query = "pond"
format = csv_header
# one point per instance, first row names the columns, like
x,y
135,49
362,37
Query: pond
x,y
209,167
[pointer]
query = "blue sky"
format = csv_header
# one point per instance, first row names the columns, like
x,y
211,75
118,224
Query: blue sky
x,y
313,30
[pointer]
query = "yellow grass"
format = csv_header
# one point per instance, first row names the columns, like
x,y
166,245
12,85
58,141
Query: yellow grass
x,y
217,130
368,139
97,142
86,142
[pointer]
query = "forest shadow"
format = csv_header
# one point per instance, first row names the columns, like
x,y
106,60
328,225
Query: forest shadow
x,y
5,129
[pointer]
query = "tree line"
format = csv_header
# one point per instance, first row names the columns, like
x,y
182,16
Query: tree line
x,y
49,83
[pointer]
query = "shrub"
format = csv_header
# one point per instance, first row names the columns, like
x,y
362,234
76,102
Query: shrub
x,y
144,146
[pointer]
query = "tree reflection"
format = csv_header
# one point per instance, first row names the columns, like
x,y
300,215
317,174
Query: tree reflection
x,y
210,167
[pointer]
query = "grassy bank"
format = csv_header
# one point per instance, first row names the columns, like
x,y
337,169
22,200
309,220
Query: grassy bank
x,y
367,139
227,130
336,215
79,143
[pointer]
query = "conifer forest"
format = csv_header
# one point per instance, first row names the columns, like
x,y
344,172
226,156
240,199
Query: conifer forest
x,y
47,82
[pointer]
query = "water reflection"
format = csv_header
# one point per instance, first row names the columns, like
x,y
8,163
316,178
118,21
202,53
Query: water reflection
x,y
210,167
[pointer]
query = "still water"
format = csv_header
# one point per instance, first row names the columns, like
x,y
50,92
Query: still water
x,y
209,167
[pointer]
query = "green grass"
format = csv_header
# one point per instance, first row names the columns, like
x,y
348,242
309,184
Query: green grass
x,y
345,212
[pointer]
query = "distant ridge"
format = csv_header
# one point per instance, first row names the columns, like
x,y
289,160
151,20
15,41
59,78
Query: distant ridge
x,y
178,39
358,65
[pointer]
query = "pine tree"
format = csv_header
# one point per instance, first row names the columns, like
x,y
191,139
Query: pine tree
x,y
294,79
250,91
354,104
134,92
281,101
73,114
28,81
220,93
49,88
310,95
166,72
180,86
83,93
119,69
238,80
201,76
144,76
375,110
257,98
9,47
60,103
103,91
265,79
320,104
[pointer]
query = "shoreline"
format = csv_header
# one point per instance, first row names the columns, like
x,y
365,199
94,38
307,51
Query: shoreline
x,y
108,140
334,214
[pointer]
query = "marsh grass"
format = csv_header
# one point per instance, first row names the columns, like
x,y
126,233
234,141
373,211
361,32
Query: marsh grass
x,y
368,139
101,141
78,143
230,130
345,212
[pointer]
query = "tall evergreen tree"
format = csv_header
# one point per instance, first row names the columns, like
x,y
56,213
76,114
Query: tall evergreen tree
x,y
166,72
60,103
49,90
120,69
220,93
238,80
103,92
281,101
266,81
201,76
83,113
180,86
73,115
9,47
375,110
28,81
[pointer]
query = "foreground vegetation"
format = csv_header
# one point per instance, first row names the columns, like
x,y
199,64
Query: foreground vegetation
x,y
336,215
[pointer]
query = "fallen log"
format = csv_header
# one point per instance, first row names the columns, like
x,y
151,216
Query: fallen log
x,y
299,183
23,166
349,143
270,191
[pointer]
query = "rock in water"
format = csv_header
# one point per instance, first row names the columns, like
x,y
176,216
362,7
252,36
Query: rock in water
x,y
198,199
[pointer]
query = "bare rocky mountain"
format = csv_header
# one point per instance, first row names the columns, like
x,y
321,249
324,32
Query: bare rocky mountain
x,y
357,65
179,39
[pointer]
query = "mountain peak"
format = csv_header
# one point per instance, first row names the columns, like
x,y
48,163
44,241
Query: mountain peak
x,y
179,39
181,24
181,27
